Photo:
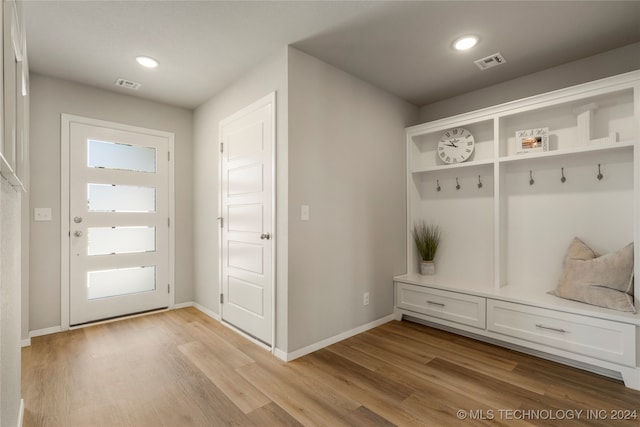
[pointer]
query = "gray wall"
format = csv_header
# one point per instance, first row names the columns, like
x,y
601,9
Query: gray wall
x,y
347,162
50,98
10,290
595,67
270,76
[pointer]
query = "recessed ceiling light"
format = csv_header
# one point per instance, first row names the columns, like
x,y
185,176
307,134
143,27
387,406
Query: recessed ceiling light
x,y
145,61
466,42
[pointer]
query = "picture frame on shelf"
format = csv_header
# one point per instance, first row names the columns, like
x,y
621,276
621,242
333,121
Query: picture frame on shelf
x,y
532,140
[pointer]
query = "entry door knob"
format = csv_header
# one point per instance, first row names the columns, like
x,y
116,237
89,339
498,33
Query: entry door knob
x,y
265,236
77,233
77,219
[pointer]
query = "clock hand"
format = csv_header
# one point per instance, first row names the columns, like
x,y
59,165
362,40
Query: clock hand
x,y
452,145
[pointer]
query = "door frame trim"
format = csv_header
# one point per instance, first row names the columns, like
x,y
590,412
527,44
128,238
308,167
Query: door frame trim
x,y
65,238
270,98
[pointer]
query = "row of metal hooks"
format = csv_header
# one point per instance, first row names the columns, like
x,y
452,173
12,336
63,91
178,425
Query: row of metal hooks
x,y
563,179
439,188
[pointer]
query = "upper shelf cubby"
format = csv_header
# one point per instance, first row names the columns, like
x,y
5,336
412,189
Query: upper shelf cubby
x,y
576,124
590,117
424,146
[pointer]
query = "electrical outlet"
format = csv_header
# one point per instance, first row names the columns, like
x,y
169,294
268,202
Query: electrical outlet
x,y
366,298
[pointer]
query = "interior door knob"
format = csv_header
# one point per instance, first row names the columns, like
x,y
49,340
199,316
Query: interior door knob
x,y
77,219
265,236
77,233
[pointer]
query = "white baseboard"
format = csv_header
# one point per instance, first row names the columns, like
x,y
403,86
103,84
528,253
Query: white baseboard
x,y
21,413
206,311
287,357
45,331
280,354
182,305
26,342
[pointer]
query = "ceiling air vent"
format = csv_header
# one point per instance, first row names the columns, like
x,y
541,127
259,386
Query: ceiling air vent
x,y
128,84
490,61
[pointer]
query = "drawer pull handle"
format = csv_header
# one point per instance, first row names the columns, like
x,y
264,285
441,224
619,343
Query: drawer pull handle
x,y
551,329
435,303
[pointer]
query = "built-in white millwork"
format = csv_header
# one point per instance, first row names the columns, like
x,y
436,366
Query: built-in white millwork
x,y
544,170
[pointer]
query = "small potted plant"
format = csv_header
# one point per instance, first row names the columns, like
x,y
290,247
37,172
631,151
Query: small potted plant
x,y
427,238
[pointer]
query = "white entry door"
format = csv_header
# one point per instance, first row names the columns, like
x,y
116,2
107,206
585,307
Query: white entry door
x,y
247,238
118,221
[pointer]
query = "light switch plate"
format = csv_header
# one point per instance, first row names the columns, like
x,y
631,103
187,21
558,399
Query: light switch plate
x,y
42,214
304,212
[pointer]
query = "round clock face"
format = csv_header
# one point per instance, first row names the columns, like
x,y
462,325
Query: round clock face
x,y
456,146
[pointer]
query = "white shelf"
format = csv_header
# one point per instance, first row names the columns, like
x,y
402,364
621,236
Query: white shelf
x,y
454,166
531,156
573,151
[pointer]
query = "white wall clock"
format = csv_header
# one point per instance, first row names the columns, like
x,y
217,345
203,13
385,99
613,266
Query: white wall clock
x,y
456,146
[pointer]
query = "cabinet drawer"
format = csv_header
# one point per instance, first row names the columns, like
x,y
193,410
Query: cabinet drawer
x,y
598,338
453,306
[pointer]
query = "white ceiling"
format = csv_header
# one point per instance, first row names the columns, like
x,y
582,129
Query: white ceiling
x,y
402,47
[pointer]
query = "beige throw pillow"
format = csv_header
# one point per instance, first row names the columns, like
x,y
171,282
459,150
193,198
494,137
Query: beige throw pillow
x,y
605,281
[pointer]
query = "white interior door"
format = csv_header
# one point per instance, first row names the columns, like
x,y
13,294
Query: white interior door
x,y
118,222
247,188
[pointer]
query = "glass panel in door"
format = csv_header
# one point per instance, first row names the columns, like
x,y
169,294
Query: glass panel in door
x,y
120,240
121,198
113,155
122,281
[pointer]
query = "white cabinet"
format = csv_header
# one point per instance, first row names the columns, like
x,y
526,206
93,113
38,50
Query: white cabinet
x,y
602,339
453,306
507,218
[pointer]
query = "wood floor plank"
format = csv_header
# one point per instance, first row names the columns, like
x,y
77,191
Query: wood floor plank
x,y
348,352
376,399
363,417
299,400
273,415
483,388
182,368
496,366
232,356
245,396
439,407
437,347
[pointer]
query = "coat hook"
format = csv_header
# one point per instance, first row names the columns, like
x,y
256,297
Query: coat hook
x,y
438,188
479,182
531,181
457,184
563,179
600,176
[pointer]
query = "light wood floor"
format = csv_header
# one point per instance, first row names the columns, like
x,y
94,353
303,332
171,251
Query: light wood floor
x,y
182,368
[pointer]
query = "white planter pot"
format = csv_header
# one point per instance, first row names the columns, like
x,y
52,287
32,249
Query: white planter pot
x,y
427,268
